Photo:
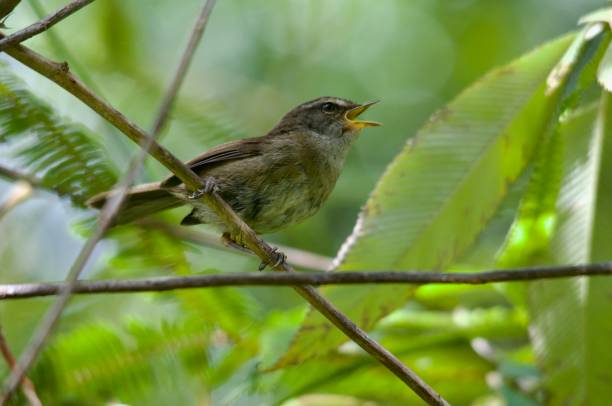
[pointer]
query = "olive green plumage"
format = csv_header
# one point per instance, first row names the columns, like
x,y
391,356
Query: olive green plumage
x,y
271,181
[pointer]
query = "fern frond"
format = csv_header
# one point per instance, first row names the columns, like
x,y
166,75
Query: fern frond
x,y
97,362
64,155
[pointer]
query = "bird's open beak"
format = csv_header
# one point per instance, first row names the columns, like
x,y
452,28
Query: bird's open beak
x,y
353,113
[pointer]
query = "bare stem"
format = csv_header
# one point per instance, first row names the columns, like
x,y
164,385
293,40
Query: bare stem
x,y
29,290
42,25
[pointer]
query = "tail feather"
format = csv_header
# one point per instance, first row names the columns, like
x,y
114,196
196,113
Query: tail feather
x,y
140,201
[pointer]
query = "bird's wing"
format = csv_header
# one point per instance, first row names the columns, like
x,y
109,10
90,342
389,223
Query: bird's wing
x,y
226,152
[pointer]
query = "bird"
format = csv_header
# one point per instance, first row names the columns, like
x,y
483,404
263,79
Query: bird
x,y
271,181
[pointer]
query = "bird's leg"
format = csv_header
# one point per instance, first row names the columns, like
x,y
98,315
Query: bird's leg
x,y
228,241
279,258
210,185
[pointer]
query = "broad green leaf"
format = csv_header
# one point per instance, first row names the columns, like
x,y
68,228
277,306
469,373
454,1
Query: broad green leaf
x,y
440,192
452,368
571,324
528,241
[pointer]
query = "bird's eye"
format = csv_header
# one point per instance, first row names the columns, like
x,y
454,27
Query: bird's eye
x,y
328,107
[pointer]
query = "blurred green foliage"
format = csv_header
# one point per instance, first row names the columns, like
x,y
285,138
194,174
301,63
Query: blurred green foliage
x,y
542,197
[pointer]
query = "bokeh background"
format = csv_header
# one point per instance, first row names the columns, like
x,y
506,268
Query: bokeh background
x,y
257,60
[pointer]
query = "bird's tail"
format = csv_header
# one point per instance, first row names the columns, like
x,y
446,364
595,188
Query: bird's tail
x,y
140,201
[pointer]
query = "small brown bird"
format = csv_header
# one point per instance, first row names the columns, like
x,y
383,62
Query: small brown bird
x,y
271,181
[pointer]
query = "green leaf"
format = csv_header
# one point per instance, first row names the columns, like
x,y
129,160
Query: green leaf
x,y
440,192
65,155
603,15
571,324
569,59
96,362
604,73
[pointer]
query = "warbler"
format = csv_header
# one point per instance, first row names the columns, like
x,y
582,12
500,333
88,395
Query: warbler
x,y
272,181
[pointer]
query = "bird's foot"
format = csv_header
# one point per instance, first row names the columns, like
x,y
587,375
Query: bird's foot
x,y
228,241
210,186
278,258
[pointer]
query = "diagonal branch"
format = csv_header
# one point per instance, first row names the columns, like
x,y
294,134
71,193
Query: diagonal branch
x,y
43,24
29,290
105,219
59,73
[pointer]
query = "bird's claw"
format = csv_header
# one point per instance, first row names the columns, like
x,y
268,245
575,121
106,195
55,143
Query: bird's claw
x,y
210,186
278,258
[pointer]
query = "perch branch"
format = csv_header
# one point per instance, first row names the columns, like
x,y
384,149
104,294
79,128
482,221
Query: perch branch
x,y
105,219
29,290
42,25
60,74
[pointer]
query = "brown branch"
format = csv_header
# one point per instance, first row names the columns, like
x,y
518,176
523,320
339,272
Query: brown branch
x,y
295,256
59,73
30,290
27,387
42,25
105,219
14,174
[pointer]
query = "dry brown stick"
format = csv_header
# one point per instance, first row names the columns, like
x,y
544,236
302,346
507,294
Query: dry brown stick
x,y
59,73
162,284
27,387
105,219
42,25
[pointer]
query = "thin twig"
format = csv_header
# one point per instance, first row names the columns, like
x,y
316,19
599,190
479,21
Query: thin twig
x,y
297,257
14,174
42,25
161,284
59,73
105,219
27,387
62,51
